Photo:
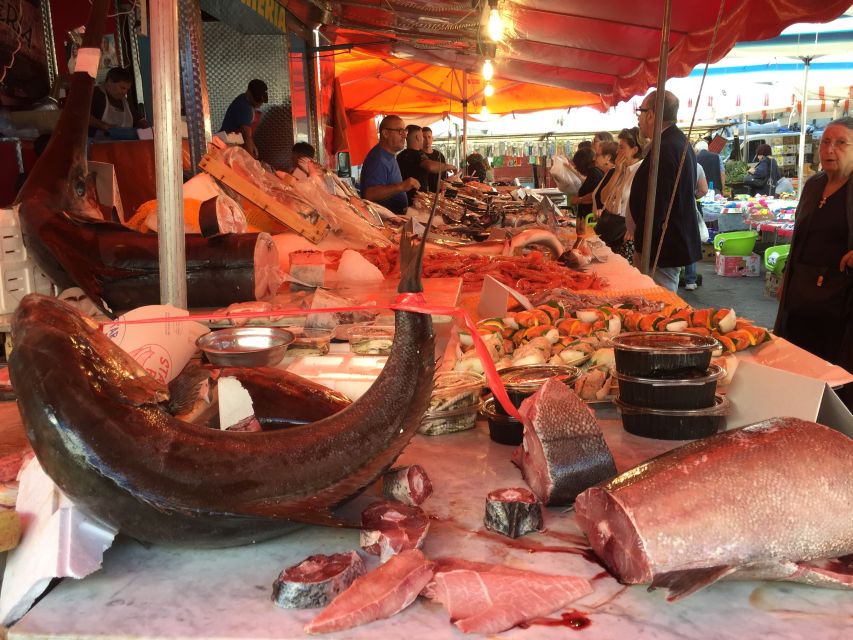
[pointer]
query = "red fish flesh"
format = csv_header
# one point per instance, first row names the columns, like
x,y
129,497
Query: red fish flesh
x,y
379,594
484,598
391,527
757,503
562,451
409,485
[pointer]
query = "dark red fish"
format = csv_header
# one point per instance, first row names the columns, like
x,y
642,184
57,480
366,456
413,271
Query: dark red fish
x,y
765,502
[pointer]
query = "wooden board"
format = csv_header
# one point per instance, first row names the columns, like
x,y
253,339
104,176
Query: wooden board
x,y
313,231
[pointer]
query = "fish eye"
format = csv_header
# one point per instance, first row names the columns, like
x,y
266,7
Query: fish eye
x,y
80,188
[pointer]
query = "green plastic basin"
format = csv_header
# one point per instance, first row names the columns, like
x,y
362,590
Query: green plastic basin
x,y
776,257
735,243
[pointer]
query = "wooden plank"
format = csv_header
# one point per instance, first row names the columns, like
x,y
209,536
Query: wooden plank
x,y
312,230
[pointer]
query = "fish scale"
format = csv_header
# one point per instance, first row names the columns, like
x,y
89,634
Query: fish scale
x,y
563,450
748,503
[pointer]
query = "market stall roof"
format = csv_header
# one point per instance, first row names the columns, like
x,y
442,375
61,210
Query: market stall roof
x,y
609,48
374,84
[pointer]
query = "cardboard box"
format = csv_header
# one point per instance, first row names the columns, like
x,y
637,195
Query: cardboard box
x,y
738,266
772,282
708,253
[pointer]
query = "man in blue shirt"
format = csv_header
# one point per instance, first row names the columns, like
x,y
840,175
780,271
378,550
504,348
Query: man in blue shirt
x,y
243,114
381,181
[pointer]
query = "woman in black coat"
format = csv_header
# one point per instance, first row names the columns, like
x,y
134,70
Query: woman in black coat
x,y
816,303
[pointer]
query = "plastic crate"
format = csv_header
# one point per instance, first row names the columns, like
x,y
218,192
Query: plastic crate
x,y
18,274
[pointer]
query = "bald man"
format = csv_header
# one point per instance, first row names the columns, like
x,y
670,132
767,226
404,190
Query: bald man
x,y
380,180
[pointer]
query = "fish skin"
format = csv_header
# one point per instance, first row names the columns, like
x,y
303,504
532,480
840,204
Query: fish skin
x,y
99,433
561,432
537,236
760,502
118,268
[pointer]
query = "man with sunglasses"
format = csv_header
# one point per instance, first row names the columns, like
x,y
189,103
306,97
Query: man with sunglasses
x,y
681,244
381,181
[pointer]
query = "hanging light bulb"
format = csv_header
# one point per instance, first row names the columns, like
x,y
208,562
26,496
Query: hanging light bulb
x,y
488,70
484,112
495,26
489,90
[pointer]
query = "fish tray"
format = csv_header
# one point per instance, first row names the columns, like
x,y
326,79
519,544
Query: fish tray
x,y
314,232
503,429
652,353
674,424
694,390
524,380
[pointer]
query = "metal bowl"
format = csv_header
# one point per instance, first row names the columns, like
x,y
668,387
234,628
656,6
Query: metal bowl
x,y
245,346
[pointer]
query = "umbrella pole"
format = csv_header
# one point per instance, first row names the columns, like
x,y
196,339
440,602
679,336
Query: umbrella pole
x,y
655,159
166,73
802,159
464,120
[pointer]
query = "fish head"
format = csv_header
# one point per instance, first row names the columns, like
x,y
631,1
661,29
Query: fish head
x,y
80,197
52,327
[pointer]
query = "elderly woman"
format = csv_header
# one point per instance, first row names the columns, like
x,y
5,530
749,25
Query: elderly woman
x,y
816,303
765,174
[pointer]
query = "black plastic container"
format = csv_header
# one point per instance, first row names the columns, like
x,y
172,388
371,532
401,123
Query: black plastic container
x,y
671,391
652,353
502,428
523,381
674,424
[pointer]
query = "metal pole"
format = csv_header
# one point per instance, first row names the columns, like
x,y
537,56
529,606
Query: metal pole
x,y
464,120
194,81
655,159
314,80
802,158
165,73
746,157
49,42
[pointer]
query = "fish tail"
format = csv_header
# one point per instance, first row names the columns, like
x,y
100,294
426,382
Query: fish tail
x,y
411,259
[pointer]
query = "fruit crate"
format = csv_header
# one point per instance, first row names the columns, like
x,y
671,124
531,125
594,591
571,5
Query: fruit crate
x,y
18,273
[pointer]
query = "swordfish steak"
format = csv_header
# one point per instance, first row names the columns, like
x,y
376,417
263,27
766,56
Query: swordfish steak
x,y
764,502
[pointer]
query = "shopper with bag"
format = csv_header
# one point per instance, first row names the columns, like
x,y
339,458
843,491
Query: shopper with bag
x,y
617,191
762,178
816,303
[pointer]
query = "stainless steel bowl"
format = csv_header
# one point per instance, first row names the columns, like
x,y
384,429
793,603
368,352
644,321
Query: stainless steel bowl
x,y
245,346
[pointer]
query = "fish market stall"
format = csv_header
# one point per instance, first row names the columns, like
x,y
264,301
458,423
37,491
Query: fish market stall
x,y
157,592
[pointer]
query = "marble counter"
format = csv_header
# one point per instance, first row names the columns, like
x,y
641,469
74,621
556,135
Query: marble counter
x,y
170,594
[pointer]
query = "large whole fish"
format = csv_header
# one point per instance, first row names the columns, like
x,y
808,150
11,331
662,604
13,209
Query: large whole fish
x,y
95,422
117,267
765,502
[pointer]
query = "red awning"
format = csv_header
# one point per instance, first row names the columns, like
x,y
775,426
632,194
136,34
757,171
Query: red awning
x,y
609,47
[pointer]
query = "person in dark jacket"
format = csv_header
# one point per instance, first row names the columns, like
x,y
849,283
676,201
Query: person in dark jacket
x,y
712,165
766,172
680,245
816,301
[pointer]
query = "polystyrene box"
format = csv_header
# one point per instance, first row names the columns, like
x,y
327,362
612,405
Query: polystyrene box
x,y
18,274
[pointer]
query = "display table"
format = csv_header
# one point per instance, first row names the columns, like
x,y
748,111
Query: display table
x,y
166,593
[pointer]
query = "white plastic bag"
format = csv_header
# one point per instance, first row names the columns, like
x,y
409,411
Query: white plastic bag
x,y
567,180
703,228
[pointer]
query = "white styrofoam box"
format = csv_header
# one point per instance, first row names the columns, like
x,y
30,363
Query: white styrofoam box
x,y
18,274
12,242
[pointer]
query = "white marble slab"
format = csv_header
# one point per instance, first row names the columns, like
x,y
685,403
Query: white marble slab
x,y
169,594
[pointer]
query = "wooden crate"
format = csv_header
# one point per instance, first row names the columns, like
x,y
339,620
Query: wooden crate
x,y
314,230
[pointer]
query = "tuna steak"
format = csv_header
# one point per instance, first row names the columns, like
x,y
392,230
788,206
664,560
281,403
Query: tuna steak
x,y
317,580
484,598
759,502
379,594
562,451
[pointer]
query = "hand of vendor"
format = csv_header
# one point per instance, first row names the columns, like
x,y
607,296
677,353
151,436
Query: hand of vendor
x,y
751,170
846,262
410,183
